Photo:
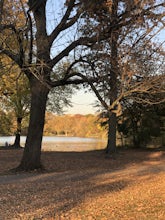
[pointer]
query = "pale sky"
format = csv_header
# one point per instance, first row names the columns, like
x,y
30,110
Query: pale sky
x,y
82,103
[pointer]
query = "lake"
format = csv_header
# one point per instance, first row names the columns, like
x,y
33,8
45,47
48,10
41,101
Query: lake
x,y
61,143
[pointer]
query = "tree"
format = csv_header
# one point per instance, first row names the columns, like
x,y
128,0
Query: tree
x,y
127,70
15,95
34,58
6,125
140,124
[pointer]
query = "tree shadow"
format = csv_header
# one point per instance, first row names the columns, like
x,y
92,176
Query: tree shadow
x,y
56,193
73,177
64,161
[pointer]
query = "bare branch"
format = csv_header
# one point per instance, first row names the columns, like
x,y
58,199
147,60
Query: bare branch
x,y
63,23
94,89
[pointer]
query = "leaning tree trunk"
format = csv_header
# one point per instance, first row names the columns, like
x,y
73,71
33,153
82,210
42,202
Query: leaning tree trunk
x,y
31,159
18,134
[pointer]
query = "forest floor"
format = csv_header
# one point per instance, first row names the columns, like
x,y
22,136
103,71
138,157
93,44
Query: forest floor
x,y
85,186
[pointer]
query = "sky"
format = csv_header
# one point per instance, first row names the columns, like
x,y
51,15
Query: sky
x,y
82,103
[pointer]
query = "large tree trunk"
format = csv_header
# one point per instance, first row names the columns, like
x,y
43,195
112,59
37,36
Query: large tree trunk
x,y
113,83
111,143
31,159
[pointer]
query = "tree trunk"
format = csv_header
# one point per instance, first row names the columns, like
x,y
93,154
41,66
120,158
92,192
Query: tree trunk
x,y
113,83
135,134
18,134
1,10
111,143
31,159
17,141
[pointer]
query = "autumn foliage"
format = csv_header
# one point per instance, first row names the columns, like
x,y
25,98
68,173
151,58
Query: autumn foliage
x,y
73,125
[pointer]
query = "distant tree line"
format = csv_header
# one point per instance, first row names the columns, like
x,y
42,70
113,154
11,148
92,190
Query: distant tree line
x,y
137,127
74,125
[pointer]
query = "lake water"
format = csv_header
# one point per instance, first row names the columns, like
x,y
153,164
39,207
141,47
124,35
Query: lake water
x,y
62,143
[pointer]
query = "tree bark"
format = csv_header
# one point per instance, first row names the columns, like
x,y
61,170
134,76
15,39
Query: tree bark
x,y
1,10
31,159
111,144
113,83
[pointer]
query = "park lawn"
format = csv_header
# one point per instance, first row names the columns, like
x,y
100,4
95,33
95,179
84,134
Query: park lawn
x,y
85,186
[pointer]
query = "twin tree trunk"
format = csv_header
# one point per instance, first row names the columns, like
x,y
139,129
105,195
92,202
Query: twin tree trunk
x,y
31,159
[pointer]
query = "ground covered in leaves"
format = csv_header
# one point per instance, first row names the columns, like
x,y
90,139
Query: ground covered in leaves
x,y
85,186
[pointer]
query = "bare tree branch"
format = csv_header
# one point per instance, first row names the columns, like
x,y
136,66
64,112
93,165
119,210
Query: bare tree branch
x,y
64,24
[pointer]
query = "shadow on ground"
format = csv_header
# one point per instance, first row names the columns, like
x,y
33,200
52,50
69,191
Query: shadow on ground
x,y
71,178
